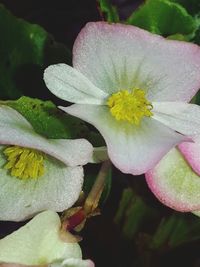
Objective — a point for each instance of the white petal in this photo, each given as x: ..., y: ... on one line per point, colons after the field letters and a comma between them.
x: 69, y: 84
x: 118, y: 56
x: 131, y: 148
x: 174, y: 183
x: 181, y: 117
x: 57, y: 189
x: 38, y: 242
x: 74, y: 263
x: 16, y: 130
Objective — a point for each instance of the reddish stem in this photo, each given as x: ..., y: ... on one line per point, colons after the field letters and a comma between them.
x: 75, y: 220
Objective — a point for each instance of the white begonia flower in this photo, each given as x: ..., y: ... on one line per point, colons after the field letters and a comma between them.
x: 42, y: 242
x: 37, y: 173
x: 129, y: 84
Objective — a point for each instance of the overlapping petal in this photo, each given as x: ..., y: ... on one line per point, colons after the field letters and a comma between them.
x: 39, y: 242
x: 175, y: 183
x: 132, y: 149
x: 191, y: 152
x: 16, y: 130
x: 116, y: 56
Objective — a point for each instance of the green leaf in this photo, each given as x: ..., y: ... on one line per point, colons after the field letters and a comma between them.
x: 163, y: 17
x: 109, y: 10
x: 25, y: 49
x: 179, y: 37
x: 176, y: 230
x: 132, y: 214
x: 197, y: 36
x: 47, y: 120
x: 96, y: 139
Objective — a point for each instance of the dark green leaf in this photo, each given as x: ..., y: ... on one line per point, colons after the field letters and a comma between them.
x: 47, y: 120
x: 163, y: 17
x: 109, y: 10
x: 176, y: 230
x: 193, y: 6
x: 25, y: 49
x: 197, y: 36
x: 132, y: 214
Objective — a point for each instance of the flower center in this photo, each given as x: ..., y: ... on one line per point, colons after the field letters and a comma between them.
x: 130, y: 106
x: 24, y: 163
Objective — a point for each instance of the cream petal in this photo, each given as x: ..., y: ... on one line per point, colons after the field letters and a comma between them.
x: 38, y: 243
x: 74, y: 263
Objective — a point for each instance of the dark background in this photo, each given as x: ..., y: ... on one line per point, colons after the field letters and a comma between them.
x: 64, y: 18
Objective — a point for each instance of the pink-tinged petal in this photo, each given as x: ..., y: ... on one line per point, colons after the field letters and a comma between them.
x: 181, y: 117
x: 174, y: 183
x: 76, y: 263
x: 118, y: 56
x: 191, y: 152
x: 58, y: 189
x: 69, y: 84
x: 131, y: 148
x: 16, y: 130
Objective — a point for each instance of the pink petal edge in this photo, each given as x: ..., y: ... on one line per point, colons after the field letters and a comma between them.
x: 164, y: 197
x: 93, y: 27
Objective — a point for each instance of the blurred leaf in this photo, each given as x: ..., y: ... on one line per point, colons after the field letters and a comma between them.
x: 163, y: 232
x: 132, y: 214
x: 197, y: 36
x: 47, y: 120
x: 178, y: 36
x: 109, y: 10
x: 176, y: 230
x: 124, y: 204
x: 25, y: 49
x: 193, y: 6
x: 185, y: 232
x: 163, y: 17
x: 90, y: 177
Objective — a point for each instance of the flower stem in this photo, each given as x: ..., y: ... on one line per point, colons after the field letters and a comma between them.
x: 92, y: 201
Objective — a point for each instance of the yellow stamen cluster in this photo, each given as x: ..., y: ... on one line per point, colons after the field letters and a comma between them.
x: 24, y: 163
x: 130, y: 106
